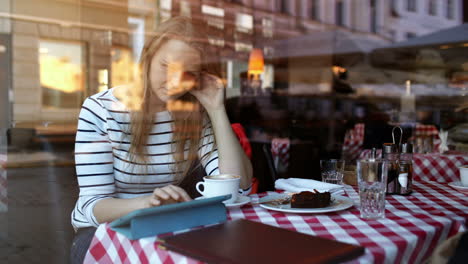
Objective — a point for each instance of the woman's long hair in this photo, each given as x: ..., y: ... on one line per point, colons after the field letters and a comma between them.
x: 188, y: 124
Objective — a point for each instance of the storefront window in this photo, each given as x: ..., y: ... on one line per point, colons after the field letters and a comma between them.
x: 62, y: 74
x: 100, y: 96
x: 122, y: 66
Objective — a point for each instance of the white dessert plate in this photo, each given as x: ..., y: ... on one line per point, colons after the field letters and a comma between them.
x: 459, y: 187
x: 338, y: 203
x: 241, y: 200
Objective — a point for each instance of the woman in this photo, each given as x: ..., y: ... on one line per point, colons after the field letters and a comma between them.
x: 131, y: 151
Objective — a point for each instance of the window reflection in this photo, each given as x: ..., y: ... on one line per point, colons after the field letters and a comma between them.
x: 411, y: 5
x: 330, y: 69
x: 122, y: 66
x: 62, y: 74
x: 432, y: 7
x: 314, y: 9
x: 450, y: 9
x: 339, y: 13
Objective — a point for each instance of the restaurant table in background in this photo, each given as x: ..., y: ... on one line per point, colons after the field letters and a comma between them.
x: 433, y: 166
x: 354, y: 139
x: 413, y: 227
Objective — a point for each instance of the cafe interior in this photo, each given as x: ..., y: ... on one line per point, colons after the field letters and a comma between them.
x: 364, y: 101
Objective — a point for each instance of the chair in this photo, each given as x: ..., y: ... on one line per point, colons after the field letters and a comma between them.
x: 270, y: 162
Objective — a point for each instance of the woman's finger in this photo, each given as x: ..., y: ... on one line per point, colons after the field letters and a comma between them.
x: 184, y: 196
x: 154, y: 201
x: 161, y: 193
x: 173, y: 193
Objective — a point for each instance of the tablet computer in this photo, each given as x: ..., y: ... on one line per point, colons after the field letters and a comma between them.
x: 171, y: 217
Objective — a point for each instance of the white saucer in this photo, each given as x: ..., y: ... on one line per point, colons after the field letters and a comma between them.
x: 241, y: 200
x: 459, y: 187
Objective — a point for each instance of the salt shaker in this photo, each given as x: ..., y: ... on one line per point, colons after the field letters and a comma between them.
x: 405, y: 167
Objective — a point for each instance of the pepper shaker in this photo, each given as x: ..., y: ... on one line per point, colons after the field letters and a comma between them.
x: 405, y: 165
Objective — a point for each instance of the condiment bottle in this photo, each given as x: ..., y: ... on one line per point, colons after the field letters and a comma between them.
x: 405, y: 165
x: 391, y: 155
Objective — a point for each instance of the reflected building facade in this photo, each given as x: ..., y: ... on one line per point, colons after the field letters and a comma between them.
x: 63, y: 51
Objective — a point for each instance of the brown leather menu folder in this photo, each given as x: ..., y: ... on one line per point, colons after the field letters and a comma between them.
x: 243, y: 241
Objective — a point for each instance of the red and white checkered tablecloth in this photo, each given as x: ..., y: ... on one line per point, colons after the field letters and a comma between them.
x: 3, y: 184
x: 438, y: 167
x: 353, y: 141
x: 413, y: 227
x: 425, y: 130
x: 434, y: 166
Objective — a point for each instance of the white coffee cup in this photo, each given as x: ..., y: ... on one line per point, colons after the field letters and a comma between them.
x: 217, y: 185
x: 464, y: 175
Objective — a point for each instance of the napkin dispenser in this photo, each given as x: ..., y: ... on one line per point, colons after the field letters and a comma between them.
x: 173, y: 217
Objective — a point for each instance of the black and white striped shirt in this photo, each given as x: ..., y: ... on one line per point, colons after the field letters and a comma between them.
x: 103, y: 165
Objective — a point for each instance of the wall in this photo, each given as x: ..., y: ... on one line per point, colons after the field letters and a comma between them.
x: 420, y: 22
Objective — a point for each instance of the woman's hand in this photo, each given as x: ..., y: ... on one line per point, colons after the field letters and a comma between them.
x: 166, y: 195
x: 211, y: 92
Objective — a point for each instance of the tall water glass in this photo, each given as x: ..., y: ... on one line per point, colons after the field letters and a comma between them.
x: 332, y: 170
x: 372, y: 181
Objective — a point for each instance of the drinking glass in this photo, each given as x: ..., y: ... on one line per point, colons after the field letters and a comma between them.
x: 372, y: 181
x: 332, y: 170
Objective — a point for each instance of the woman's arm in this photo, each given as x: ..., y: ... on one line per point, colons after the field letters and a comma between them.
x: 232, y: 159
x: 108, y: 210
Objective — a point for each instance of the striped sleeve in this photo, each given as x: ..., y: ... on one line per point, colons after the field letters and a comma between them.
x: 207, y: 151
x: 94, y: 162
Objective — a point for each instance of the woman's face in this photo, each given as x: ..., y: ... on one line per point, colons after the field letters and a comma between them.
x: 175, y: 69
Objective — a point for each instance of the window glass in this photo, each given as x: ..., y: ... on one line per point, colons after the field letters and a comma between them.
x: 373, y: 14
x: 62, y: 74
x: 339, y: 13
x: 122, y: 66
x: 450, y: 9
x: 328, y: 79
x: 244, y: 23
x: 411, y: 5
x: 315, y: 9
x: 432, y: 7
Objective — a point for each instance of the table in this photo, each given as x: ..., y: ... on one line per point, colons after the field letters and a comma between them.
x: 354, y: 139
x: 413, y: 227
x: 433, y: 166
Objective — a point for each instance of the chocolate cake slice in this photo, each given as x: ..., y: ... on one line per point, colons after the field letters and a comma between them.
x: 310, y: 200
